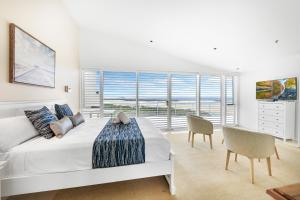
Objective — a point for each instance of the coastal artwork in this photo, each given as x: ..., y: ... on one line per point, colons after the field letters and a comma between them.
x: 31, y: 61
x: 264, y: 90
x: 280, y: 89
x: 285, y: 89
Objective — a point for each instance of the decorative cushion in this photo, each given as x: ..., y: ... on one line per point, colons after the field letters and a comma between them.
x: 14, y: 131
x: 61, y: 127
x: 41, y: 120
x: 116, y: 120
x: 77, y: 119
x: 63, y: 110
x: 123, y: 118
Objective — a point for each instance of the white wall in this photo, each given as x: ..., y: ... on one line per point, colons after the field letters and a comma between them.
x: 49, y: 22
x: 102, y: 50
x: 281, y: 67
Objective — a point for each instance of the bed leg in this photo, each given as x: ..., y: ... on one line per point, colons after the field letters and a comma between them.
x: 170, y: 177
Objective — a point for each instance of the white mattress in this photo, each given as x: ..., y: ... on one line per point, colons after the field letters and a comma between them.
x: 74, y: 151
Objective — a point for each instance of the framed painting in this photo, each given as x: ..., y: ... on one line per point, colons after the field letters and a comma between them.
x: 30, y: 61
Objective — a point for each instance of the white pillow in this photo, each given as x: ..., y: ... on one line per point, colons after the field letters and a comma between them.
x: 14, y: 131
x: 123, y: 118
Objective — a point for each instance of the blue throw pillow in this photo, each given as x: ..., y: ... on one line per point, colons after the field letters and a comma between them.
x: 41, y: 120
x: 63, y: 110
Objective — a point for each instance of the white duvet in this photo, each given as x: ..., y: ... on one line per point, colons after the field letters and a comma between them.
x: 74, y: 151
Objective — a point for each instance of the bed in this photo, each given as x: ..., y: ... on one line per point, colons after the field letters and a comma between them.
x: 42, y: 165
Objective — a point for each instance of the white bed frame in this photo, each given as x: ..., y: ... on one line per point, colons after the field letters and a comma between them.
x: 55, y: 181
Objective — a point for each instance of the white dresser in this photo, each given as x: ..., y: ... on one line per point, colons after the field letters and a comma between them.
x: 277, y: 118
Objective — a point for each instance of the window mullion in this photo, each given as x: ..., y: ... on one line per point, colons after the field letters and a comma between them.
x: 137, y: 95
x: 169, y: 101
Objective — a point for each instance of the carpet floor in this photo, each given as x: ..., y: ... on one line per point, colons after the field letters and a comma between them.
x: 199, y: 174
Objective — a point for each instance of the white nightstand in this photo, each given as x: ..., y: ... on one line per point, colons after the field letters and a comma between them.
x: 2, y: 168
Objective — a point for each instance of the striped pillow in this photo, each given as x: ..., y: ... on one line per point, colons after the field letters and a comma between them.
x: 41, y: 120
x: 63, y: 110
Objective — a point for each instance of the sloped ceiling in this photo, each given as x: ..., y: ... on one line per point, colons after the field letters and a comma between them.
x: 242, y: 31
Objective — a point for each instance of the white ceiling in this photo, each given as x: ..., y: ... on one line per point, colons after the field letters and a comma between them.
x: 243, y: 31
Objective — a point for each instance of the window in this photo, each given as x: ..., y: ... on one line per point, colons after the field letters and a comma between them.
x: 210, y: 98
x: 119, y: 93
x: 163, y: 98
x: 153, y: 97
x: 229, y: 100
x: 183, y: 98
x: 91, y: 92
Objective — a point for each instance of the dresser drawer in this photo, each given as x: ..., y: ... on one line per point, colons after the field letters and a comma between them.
x: 264, y: 129
x: 271, y: 126
x: 278, y: 113
x: 277, y: 132
x: 271, y: 118
x: 268, y: 106
x: 267, y: 124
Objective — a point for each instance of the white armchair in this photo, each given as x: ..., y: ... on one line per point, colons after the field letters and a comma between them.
x: 250, y: 144
x: 199, y: 125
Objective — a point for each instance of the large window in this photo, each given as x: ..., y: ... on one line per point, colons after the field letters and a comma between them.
x: 164, y: 98
x: 119, y: 93
x: 210, y: 98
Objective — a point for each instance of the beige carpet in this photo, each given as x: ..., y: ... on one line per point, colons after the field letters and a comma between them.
x: 199, y: 174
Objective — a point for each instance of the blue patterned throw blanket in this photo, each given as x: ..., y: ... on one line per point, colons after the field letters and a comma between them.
x: 119, y: 144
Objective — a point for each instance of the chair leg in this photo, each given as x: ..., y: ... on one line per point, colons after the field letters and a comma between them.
x: 204, y: 137
x: 235, y: 159
x: 252, y: 170
x: 189, y: 138
x: 223, y: 141
x: 276, y: 152
x: 210, y: 141
x: 269, y: 166
x: 259, y: 160
x: 227, y: 159
x: 193, y: 137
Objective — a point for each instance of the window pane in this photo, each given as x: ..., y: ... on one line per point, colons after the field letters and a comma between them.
x: 229, y: 99
x: 91, y: 92
x: 119, y: 93
x: 153, y: 94
x: 210, y: 98
x: 184, y: 98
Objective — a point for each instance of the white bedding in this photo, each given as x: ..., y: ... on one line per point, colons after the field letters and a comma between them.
x: 74, y: 151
